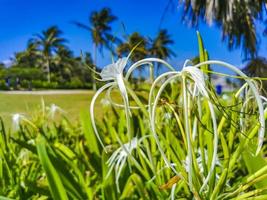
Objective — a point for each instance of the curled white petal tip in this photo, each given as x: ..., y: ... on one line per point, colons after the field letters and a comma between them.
x: 198, y: 76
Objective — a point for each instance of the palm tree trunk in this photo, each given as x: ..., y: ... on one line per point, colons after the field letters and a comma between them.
x: 48, y: 70
x: 94, y: 66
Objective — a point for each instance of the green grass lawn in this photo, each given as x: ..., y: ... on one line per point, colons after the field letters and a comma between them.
x: 26, y: 104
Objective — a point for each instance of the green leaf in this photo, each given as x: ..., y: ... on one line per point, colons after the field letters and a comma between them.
x: 3, y: 137
x: 108, y: 183
x: 254, y: 163
x: 65, y: 150
x: 201, y: 49
x: 89, y: 133
x: 5, y: 198
x: 134, y: 182
x: 55, y: 185
x: 203, y: 54
x: 69, y: 180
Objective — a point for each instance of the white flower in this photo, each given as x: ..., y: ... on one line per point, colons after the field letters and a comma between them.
x: 16, y: 120
x: 112, y: 71
x: 119, y: 158
x: 53, y: 109
x: 255, y: 92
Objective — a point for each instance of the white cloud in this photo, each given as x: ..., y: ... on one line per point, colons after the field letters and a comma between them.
x: 7, y: 62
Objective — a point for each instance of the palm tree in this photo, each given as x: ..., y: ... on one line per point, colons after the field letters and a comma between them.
x: 257, y: 68
x: 30, y: 58
x: 100, y: 29
x: 140, y: 51
x: 48, y: 42
x: 236, y: 18
x: 137, y: 41
x: 160, y: 47
x: 63, y: 63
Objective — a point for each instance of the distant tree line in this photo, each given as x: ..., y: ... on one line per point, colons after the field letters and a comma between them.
x: 48, y: 62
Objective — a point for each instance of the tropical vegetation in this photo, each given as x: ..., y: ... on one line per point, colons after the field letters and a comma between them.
x: 48, y: 62
x: 170, y: 138
x: 167, y: 136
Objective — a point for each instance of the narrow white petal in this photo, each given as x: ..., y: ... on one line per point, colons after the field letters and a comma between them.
x: 99, y: 91
x: 146, y: 61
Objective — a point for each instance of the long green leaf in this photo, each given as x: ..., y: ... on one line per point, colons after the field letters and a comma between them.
x: 89, y: 133
x: 55, y: 185
x: 255, y: 163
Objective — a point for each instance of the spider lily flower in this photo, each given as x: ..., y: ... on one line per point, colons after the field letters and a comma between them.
x: 189, y: 74
x: 16, y: 120
x: 147, y: 61
x: 119, y: 158
x: 192, y: 76
x: 53, y: 109
x: 255, y: 93
x: 113, y: 73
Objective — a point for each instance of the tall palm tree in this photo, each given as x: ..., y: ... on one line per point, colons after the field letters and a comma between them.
x: 137, y: 41
x: 134, y: 39
x: 30, y: 57
x: 100, y: 29
x: 63, y: 63
x: 160, y: 46
x: 48, y: 42
x: 236, y: 18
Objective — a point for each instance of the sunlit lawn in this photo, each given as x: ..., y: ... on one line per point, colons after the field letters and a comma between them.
x: 73, y: 104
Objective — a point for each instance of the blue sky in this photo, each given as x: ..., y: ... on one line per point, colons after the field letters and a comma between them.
x: 19, y: 20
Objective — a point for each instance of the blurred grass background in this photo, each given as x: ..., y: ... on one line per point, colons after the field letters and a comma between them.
x: 25, y: 103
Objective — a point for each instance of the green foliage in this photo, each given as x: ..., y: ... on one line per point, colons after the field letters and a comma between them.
x: 59, y: 159
x: 55, y: 184
x: 181, y: 142
x: 236, y: 19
